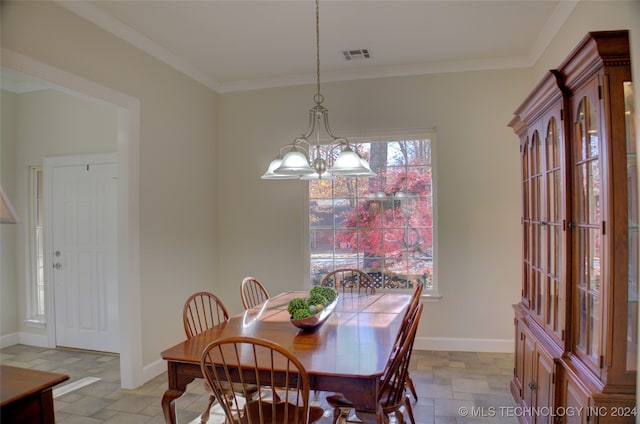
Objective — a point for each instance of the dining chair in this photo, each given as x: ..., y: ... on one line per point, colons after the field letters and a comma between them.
x: 415, y: 301
x: 252, y: 361
x: 392, y: 394
x: 252, y: 292
x: 351, y: 280
x: 202, y: 311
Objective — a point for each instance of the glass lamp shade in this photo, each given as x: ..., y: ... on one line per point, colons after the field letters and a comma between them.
x: 325, y: 176
x: 368, y: 173
x: 294, y: 163
x: 270, y: 175
x: 349, y: 163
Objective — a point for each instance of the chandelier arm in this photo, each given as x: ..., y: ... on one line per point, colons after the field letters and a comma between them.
x: 312, y: 125
x: 301, y: 145
x: 334, y: 138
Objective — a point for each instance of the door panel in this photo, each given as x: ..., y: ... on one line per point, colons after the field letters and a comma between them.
x: 544, y: 386
x: 84, y: 256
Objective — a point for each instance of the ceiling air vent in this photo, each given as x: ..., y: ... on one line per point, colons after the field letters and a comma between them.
x: 356, y: 54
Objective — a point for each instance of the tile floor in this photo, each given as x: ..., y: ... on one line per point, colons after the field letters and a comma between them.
x: 447, y: 382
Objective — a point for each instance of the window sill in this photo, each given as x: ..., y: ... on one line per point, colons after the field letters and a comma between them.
x: 35, y: 323
x: 431, y: 298
x: 424, y: 298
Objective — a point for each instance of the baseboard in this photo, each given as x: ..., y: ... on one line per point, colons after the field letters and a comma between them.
x: 153, y: 370
x: 29, y: 339
x: 464, y: 345
x: 8, y: 340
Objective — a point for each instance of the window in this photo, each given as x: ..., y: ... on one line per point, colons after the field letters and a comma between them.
x: 36, y: 286
x: 383, y: 225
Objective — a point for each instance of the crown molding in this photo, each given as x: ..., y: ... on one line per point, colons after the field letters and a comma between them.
x: 92, y: 14
x: 89, y: 12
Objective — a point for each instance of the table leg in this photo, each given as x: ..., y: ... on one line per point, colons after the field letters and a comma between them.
x: 371, y: 417
x: 169, y: 405
x: 179, y: 376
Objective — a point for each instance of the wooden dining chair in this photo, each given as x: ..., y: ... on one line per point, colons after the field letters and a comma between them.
x: 252, y: 292
x: 350, y: 280
x: 415, y: 301
x: 202, y: 311
x: 252, y: 361
x: 392, y: 394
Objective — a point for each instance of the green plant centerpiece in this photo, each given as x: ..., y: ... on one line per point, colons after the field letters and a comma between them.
x: 311, y: 311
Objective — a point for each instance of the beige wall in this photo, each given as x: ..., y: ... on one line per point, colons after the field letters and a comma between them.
x: 47, y: 123
x: 177, y: 156
x: 207, y: 220
x: 589, y: 16
x: 8, y: 262
x: 261, y: 224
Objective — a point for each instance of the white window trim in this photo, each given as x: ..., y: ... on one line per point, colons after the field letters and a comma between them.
x: 33, y: 318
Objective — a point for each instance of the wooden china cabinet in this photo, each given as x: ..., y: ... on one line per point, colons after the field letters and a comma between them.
x: 577, y: 322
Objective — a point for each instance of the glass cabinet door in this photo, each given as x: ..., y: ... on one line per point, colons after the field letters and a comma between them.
x: 554, y: 226
x: 632, y: 217
x: 538, y: 256
x: 544, y: 224
x: 526, y: 224
x: 587, y: 232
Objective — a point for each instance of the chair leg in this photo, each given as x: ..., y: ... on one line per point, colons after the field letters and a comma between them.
x: 412, y: 387
x: 341, y: 414
x: 399, y: 417
x: 409, y: 409
x: 204, y: 418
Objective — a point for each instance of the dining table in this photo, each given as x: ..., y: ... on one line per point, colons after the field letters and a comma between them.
x: 346, y: 354
x: 26, y: 395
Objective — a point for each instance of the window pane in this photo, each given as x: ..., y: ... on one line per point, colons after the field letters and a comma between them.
x: 36, y: 289
x: 383, y: 224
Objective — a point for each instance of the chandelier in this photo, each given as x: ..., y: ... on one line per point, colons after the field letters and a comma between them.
x: 305, y: 160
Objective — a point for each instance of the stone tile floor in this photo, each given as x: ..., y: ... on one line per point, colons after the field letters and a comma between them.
x: 446, y: 382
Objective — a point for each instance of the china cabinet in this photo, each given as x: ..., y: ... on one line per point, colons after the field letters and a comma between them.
x: 577, y: 322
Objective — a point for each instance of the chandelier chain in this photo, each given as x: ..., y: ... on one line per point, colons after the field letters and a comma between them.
x: 318, y: 96
x: 300, y: 161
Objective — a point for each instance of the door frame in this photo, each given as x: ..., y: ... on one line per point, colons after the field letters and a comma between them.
x: 47, y: 194
x: 132, y: 373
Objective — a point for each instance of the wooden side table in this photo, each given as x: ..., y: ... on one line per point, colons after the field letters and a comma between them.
x: 26, y: 395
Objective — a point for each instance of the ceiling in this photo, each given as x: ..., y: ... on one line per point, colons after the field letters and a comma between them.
x: 240, y: 44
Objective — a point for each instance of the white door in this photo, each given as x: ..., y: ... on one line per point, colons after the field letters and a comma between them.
x: 84, y: 253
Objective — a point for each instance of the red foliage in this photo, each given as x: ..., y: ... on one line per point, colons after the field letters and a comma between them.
x: 390, y: 227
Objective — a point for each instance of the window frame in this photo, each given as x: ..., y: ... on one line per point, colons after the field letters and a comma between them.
x: 429, y: 295
x: 34, y: 285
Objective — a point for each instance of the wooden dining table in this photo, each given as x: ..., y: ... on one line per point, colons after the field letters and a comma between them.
x: 346, y: 354
x: 26, y: 395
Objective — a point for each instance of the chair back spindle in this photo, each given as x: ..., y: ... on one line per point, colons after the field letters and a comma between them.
x: 252, y: 292
x: 349, y: 280
x: 251, y: 362
x: 202, y: 311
